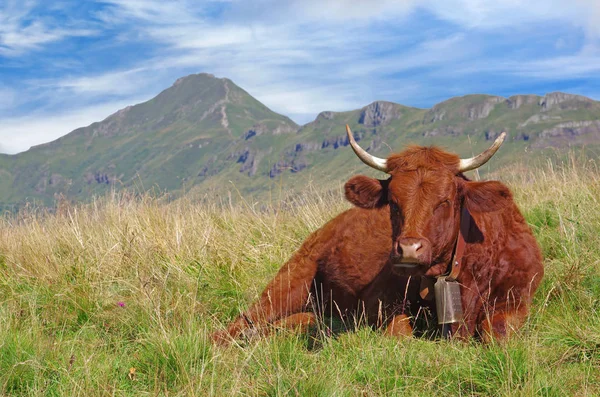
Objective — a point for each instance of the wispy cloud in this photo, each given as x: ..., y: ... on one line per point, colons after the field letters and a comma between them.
x: 152, y: 11
x: 21, y: 30
x: 20, y: 133
x: 111, y: 83
x: 298, y: 57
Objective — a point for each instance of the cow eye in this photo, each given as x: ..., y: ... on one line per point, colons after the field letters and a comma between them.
x: 443, y: 204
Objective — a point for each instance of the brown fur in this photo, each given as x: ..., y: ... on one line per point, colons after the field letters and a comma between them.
x: 347, y: 268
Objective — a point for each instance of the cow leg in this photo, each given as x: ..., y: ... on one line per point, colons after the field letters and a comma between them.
x: 297, y: 322
x: 501, y: 324
x: 399, y: 326
x: 287, y: 294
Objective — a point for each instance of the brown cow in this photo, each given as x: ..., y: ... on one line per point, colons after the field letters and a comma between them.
x: 351, y: 268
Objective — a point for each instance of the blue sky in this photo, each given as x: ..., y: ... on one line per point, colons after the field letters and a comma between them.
x: 67, y: 63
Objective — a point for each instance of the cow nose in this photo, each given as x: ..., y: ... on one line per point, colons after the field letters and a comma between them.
x: 413, y: 250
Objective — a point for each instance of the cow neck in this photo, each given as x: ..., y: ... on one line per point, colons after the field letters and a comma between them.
x: 461, y: 243
x: 453, y: 270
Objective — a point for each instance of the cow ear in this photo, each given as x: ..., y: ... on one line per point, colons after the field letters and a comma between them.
x: 486, y: 196
x: 366, y: 192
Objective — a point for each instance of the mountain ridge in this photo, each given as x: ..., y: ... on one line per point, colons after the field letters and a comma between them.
x: 204, y: 132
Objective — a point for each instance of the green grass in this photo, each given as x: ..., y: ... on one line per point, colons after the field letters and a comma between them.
x: 88, y: 293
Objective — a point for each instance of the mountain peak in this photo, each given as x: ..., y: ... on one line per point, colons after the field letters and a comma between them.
x: 195, y: 76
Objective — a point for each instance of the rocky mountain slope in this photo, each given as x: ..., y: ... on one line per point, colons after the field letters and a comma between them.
x: 206, y: 136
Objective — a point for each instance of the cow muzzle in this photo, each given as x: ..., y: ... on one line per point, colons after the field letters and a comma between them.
x: 411, y: 253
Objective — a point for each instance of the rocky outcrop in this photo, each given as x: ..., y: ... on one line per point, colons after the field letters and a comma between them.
x: 325, y: 116
x: 209, y: 169
x: 243, y: 157
x: 249, y: 160
x: 250, y: 163
x: 295, y: 165
x: 443, y: 131
x: 261, y: 128
x: 564, y: 101
x: 522, y: 136
x: 471, y: 107
x: 283, y: 128
x: 341, y: 140
x: 572, y: 129
x: 516, y: 101
x: 434, y: 115
x: 307, y: 147
x: 256, y: 130
x: 335, y: 142
x: 491, y: 135
x: 379, y: 113
x: 569, y: 134
x: 538, y: 118
x: 482, y: 110
x: 99, y: 177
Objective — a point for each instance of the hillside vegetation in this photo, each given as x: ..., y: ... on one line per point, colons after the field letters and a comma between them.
x: 118, y: 297
x: 205, y: 133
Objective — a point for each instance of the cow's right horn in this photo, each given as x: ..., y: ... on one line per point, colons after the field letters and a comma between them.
x: 370, y: 160
x: 481, y: 159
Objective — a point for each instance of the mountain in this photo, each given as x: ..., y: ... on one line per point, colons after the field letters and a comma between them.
x: 205, y: 135
x: 172, y: 138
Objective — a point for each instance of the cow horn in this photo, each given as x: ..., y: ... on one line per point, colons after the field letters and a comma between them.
x: 481, y: 159
x: 370, y: 160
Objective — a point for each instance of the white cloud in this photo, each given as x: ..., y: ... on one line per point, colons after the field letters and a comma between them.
x: 302, y: 102
x: 550, y: 68
x: 559, y: 67
x: 342, y: 10
x: 18, y: 134
x: 111, y: 83
x: 468, y: 14
x: 299, y: 57
x: 160, y: 12
x: 589, y: 12
x: 193, y: 36
x: 492, y: 16
x: 21, y: 32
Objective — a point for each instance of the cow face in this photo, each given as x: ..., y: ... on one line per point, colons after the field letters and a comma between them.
x: 424, y: 193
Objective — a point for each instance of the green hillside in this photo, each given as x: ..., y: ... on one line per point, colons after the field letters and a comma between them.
x: 205, y: 136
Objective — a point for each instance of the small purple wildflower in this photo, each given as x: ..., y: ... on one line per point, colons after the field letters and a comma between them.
x: 121, y: 304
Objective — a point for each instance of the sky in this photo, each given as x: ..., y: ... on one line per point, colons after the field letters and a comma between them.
x: 67, y: 63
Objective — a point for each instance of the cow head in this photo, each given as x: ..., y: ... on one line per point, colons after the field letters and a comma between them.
x: 425, y: 192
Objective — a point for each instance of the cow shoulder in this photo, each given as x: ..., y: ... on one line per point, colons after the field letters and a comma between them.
x: 488, y: 196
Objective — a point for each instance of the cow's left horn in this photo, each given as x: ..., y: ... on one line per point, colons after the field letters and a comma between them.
x: 370, y: 160
x: 481, y: 159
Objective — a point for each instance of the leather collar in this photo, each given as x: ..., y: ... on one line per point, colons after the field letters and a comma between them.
x: 455, y: 265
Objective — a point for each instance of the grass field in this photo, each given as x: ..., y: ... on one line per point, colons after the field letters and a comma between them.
x: 118, y: 297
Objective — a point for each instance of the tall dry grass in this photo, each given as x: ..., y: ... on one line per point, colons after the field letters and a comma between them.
x: 118, y: 296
